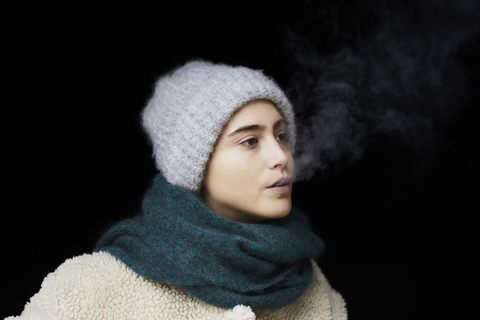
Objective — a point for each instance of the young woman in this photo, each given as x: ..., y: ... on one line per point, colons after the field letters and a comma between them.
x: 218, y: 237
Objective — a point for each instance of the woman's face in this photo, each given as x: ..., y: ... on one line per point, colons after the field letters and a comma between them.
x: 249, y: 175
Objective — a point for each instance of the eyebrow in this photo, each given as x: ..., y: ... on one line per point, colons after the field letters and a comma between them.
x: 258, y: 127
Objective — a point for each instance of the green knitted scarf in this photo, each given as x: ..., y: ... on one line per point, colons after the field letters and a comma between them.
x: 178, y: 240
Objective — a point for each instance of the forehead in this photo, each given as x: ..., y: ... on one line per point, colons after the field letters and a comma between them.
x: 260, y: 112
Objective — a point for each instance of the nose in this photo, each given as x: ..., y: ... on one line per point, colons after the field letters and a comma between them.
x: 276, y: 155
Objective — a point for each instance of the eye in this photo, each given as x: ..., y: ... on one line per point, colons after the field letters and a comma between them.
x: 281, y: 137
x: 250, y: 142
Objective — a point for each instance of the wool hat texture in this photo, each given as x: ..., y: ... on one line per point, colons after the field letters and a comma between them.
x: 190, y: 107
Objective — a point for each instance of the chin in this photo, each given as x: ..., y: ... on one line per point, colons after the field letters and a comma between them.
x: 278, y: 210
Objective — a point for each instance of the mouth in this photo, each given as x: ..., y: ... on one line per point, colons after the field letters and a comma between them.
x: 281, y: 186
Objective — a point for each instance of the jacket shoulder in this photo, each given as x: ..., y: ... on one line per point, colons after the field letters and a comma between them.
x: 99, y: 286
x: 336, y: 301
x: 318, y: 302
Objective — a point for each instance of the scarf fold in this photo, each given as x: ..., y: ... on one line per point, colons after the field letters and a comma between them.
x: 178, y: 240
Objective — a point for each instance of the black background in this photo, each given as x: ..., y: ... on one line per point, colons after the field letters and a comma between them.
x: 74, y: 158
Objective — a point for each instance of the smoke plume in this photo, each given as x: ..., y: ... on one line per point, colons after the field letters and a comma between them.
x: 393, y: 75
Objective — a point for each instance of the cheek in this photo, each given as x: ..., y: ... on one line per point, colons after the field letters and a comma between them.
x: 232, y: 175
x: 291, y: 161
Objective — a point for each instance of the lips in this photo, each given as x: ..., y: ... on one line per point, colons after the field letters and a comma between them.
x: 281, y: 186
x: 280, y: 182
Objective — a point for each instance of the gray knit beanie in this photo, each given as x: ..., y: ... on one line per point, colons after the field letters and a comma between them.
x: 191, y: 105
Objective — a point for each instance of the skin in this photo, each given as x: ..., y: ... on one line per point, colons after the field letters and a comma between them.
x: 250, y: 156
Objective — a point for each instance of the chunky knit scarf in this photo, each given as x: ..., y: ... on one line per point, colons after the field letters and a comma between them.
x: 178, y: 240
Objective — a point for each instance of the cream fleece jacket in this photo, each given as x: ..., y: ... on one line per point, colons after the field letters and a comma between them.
x: 99, y: 286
